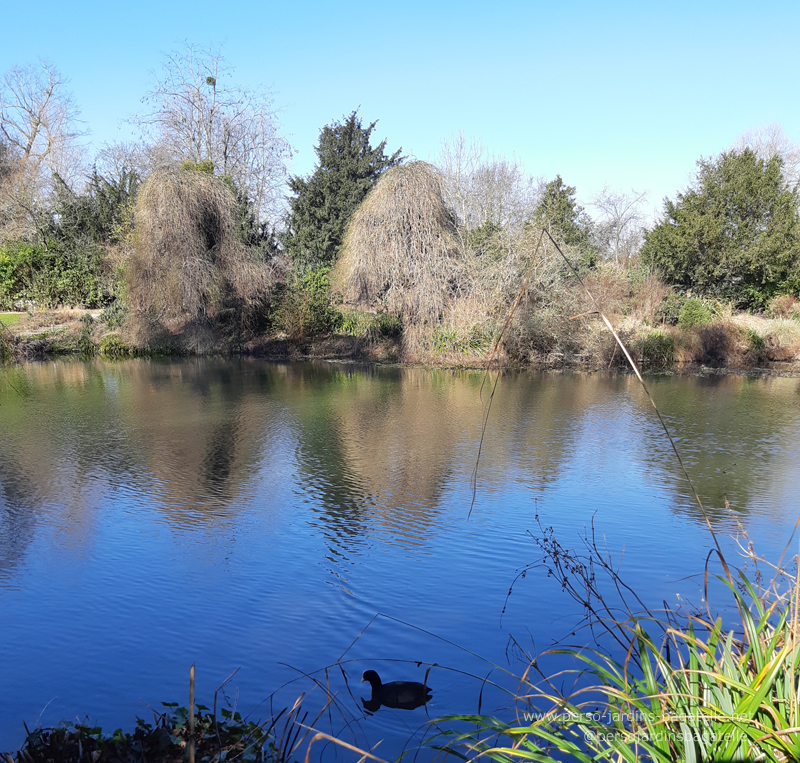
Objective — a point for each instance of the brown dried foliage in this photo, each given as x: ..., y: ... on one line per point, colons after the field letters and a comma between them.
x: 187, y: 270
x: 784, y: 306
x: 401, y: 249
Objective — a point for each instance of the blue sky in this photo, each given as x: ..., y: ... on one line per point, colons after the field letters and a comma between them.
x: 629, y: 93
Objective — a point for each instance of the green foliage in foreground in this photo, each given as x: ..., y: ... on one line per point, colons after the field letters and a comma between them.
x: 735, y: 234
x: 216, y: 740
x: 692, y: 692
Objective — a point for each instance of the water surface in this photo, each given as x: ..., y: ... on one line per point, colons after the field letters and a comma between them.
x: 275, y: 517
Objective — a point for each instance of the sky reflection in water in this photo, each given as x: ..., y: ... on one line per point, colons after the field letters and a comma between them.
x: 241, y: 513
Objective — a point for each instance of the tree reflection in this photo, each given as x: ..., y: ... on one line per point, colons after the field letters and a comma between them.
x: 366, y: 452
x: 17, y: 516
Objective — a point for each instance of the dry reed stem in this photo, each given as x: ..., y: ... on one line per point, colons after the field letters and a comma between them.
x: 191, y: 714
x: 493, y: 354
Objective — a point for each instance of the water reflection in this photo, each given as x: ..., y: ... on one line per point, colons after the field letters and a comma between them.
x: 17, y: 517
x: 737, y: 437
x: 370, y: 447
x: 247, y: 513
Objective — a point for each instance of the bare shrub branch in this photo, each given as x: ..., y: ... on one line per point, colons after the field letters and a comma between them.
x: 196, y: 116
x: 38, y: 125
x: 481, y: 187
x: 770, y: 140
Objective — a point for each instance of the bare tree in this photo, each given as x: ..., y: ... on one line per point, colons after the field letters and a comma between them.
x: 770, y: 140
x: 458, y: 161
x: 196, y: 116
x: 38, y: 124
x: 622, y: 224
x: 481, y: 187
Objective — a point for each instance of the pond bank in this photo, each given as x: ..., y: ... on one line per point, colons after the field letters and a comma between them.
x: 741, y: 344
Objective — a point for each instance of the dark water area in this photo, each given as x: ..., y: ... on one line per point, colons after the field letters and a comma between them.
x: 283, y: 518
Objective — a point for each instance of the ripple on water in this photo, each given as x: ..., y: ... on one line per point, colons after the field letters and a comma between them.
x: 274, y: 517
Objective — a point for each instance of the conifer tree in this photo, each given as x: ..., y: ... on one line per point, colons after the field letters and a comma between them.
x: 565, y: 219
x: 734, y: 234
x: 347, y: 168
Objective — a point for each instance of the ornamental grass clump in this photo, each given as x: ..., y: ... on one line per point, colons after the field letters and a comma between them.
x: 401, y: 251
x: 189, y: 279
x: 679, y: 689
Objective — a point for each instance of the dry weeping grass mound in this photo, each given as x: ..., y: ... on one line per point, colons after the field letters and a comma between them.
x: 188, y: 270
x: 401, y: 248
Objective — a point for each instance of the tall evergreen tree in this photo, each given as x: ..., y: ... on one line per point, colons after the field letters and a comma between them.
x: 347, y: 169
x: 735, y: 234
x: 565, y: 219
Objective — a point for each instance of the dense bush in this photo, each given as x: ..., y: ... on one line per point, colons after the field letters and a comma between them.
x: 366, y: 324
x: 735, y: 234
x: 694, y: 312
x: 657, y: 349
x: 189, y: 279
x: 401, y: 249
x: 49, y: 275
x: 112, y: 346
x: 304, y: 310
x: 17, y: 262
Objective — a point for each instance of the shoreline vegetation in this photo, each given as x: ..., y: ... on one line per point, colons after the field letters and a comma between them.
x: 181, y: 267
x: 727, y: 342
x: 184, y: 244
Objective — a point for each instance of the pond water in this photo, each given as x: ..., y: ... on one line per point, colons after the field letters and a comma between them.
x: 283, y: 518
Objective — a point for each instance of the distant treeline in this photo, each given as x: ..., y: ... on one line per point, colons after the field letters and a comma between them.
x: 196, y: 239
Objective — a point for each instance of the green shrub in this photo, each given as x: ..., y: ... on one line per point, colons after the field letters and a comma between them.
x: 670, y: 308
x: 112, y: 346
x: 6, y: 347
x: 657, y: 349
x: 756, y: 342
x: 734, y: 233
x: 86, y: 346
x: 17, y: 262
x: 304, y: 310
x: 354, y: 322
x: 50, y: 276
x: 114, y: 315
x: 387, y: 325
x: 477, y: 340
x: 373, y: 325
x: 694, y: 312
